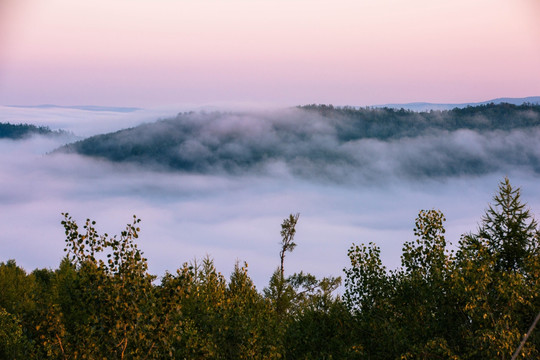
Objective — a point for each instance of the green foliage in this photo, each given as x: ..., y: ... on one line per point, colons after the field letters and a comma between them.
x: 16, y: 288
x: 426, y: 256
x: 102, y: 303
x: 290, y: 295
x: 110, y: 297
x: 508, y: 230
x: 206, y: 317
x: 288, y: 230
x: 312, y: 323
x: 404, y: 309
x: 280, y: 290
x: 321, y: 333
x: 12, y: 341
x: 498, y: 278
x: 367, y: 279
x: 474, y: 305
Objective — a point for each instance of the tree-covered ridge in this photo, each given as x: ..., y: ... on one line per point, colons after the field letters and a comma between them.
x: 388, y: 123
x: 475, y: 303
x: 21, y: 131
x: 339, y: 144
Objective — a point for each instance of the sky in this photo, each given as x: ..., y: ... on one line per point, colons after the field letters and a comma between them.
x: 167, y: 56
x: 281, y: 52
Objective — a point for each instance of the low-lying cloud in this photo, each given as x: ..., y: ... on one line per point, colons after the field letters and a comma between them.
x: 321, y: 147
x: 232, y: 216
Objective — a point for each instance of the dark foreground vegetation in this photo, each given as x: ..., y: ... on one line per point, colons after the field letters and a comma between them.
x: 101, y: 303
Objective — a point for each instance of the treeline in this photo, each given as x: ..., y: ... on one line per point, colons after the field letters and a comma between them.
x: 388, y: 123
x: 21, y: 131
x: 477, y: 302
x: 324, y: 142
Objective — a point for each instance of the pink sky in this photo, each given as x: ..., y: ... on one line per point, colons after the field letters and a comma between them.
x: 161, y: 52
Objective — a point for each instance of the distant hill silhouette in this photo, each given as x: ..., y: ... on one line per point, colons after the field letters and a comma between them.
x: 425, y: 106
x: 21, y: 131
x: 79, y: 107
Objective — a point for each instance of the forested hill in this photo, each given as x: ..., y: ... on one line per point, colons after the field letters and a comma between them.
x: 388, y: 123
x: 325, y: 142
x: 21, y: 131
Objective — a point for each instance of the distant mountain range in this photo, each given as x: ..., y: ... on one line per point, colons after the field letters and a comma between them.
x: 413, y: 106
x: 425, y: 106
x: 79, y: 107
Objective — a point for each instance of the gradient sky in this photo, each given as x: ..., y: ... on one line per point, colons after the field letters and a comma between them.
x: 284, y: 52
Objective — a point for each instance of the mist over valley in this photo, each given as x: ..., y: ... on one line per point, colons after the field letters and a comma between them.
x: 219, y: 183
x: 323, y: 143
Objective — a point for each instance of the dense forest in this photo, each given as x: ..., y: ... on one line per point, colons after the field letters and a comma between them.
x: 476, y: 302
x: 22, y: 131
x: 386, y: 123
x: 326, y: 142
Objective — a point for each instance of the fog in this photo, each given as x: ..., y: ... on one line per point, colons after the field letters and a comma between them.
x: 333, y: 147
x: 237, y: 217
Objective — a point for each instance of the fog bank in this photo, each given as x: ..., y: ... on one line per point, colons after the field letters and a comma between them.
x: 237, y: 216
